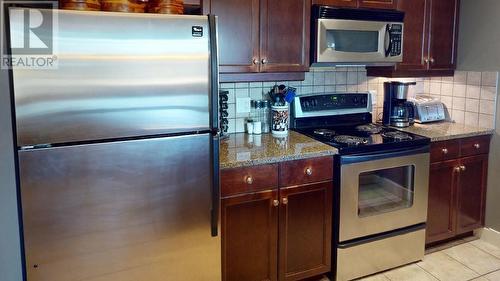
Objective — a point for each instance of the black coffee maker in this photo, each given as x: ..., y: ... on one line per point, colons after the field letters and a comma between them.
x: 398, y: 111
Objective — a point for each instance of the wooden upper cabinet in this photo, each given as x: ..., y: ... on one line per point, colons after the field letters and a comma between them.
x: 238, y: 27
x: 284, y: 35
x: 250, y: 237
x: 415, y: 41
x: 305, y: 231
x: 441, y: 208
x: 443, y: 34
x: 337, y: 3
x: 471, y: 193
x: 379, y: 4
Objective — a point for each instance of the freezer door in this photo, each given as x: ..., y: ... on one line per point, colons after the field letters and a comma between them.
x: 128, y: 211
x: 118, y: 75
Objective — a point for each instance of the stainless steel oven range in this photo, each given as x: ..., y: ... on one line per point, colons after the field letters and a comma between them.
x: 382, y: 179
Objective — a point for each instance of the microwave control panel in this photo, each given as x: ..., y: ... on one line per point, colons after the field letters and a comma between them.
x: 396, y: 35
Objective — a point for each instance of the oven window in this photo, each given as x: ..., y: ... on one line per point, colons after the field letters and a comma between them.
x: 353, y: 41
x: 386, y: 190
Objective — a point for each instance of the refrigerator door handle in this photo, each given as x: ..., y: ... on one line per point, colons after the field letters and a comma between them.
x: 214, y: 216
x: 214, y: 74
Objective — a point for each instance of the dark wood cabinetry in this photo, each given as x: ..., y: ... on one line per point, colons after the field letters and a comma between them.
x: 376, y: 4
x: 430, y: 40
x: 283, y: 233
x: 457, y: 187
x: 262, y: 36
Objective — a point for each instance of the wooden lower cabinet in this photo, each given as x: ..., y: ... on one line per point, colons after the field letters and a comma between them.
x: 441, y: 208
x: 305, y: 231
x: 249, y: 237
x: 457, y: 188
x: 471, y: 193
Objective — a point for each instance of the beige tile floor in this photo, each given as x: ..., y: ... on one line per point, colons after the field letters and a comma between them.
x: 462, y: 260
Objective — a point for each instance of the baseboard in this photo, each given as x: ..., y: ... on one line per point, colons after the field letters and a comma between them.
x: 488, y: 235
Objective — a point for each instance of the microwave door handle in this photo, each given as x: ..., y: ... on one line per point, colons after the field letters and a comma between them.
x: 388, y: 40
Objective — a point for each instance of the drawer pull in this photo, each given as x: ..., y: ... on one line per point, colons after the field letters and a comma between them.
x: 249, y: 180
x: 309, y: 171
x: 284, y: 200
x: 276, y: 203
x: 445, y: 150
x: 477, y: 146
x: 463, y: 168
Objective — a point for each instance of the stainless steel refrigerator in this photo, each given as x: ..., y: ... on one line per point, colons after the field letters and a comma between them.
x: 118, y: 149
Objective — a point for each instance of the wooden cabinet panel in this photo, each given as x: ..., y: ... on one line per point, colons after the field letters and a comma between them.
x: 441, y: 208
x: 475, y: 146
x: 337, y: 3
x: 379, y: 4
x: 306, y: 171
x: 284, y: 35
x: 238, y: 24
x: 249, y: 237
x: 443, y: 34
x: 249, y: 179
x: 445, y: 150
x: 305, y: 231
x: 415, y: 41
x: 471, y: 193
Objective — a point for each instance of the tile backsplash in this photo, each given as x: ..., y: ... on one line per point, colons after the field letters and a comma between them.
x: 469, y: 96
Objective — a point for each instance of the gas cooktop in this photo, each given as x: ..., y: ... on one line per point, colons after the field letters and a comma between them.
x: 364, y: 137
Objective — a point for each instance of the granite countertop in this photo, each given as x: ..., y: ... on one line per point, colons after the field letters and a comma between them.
x: 447, y: 130
x: 240, y: 150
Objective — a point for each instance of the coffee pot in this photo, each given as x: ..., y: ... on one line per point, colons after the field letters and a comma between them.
x: 398, y: 111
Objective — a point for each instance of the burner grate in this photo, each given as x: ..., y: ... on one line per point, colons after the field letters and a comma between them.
x: 369, y: 128
x: 399, y: 136
x: 350, y: 140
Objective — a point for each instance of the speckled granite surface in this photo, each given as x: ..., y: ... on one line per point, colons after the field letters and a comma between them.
x: 240, y: 150
x: 446, y: 131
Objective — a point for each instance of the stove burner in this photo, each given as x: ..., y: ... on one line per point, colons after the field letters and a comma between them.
x: 350, y: 140
x: 399, y: 136
x: 369, y: 128
x: 324, y: 132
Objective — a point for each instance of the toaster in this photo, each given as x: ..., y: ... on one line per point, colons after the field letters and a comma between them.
x: 428, y: 109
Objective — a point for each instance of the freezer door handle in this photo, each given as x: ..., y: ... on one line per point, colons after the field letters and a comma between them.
x: 214, y: 223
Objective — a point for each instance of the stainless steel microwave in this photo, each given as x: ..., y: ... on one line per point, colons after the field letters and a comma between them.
x: 357, y: 37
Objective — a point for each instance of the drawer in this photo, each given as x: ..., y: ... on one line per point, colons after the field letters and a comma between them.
x: 445, y: 150
x: 475, y: 146
x: 249, y: 179
x: 306, y: 171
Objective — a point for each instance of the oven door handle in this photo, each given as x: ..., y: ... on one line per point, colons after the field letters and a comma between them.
x: 351, y: 159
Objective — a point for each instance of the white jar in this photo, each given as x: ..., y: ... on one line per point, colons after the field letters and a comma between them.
x: 279, y: 120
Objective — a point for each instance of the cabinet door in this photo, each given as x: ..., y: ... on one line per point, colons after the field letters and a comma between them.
x: 471, y: 193
x: 337, y: 3
x: 443, y: 34
x: 305, y: 231
x: 284, y: 35
x: 440, y: 212
x: 249, y: 237
x: 379, y: 4
x: 238, y: 34
x: 415, y: 42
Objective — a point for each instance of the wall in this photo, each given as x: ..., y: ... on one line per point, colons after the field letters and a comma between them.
x: 469, y: 96
x: 10, y: 255
x: 479, y: 49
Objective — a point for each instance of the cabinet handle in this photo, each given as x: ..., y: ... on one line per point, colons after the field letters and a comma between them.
x: 463, y: 168
x: 445, y: 150
x: 284, y: 200
x: 309, y: 171
x: 249, y: 180
x: 457, y: 169
x: 432, y: 60
x: 276, y: 203
x: 255, y: 61
x: 426, y: 60
x: 264, y: 61
x: 477, y: 146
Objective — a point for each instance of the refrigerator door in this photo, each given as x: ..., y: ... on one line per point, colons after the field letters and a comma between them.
x: 128, y: 211
x: 118, y: 75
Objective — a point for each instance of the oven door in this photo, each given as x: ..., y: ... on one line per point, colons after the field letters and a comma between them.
x: 354, y: 41
x: 383, y: 192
